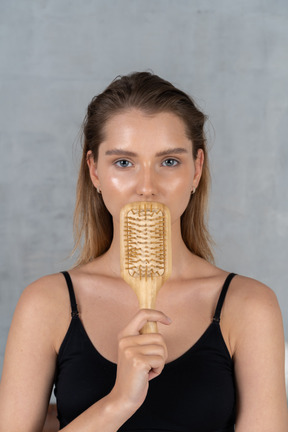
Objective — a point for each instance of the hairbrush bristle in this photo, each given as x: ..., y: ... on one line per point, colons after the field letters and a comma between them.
x: 144, y: 237
x: 145, y: 233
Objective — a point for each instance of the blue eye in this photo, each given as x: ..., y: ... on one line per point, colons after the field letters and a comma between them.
x: 123, y: 163
x: 170, y: 162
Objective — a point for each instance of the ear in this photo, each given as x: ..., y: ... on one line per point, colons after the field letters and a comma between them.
x: 199, y: 161
x: 92, y: 165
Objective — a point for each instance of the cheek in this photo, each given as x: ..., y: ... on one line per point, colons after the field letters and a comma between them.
x: 115, y: 190
x: 180, y: 189
x: 181, y: 184
x: 117, y: 182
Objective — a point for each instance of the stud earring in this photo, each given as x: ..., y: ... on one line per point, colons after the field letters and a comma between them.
x: 98, y: 190
x: 193, y: 190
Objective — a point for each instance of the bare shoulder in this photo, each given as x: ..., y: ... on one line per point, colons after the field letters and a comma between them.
x: 44, y: 304
x: 246, y: 297
x: 252, y: 309
x: 37, y: 329
x: 46, y: 293
x: 256, y: 338
x: 252, y: 296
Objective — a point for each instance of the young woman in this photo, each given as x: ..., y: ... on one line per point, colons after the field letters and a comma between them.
x: 218, y: 359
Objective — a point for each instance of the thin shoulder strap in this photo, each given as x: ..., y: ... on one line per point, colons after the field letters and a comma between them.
x: 222, y: 297
x: 74, y: 310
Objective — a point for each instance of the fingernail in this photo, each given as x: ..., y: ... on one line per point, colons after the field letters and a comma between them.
x: 169, y: 319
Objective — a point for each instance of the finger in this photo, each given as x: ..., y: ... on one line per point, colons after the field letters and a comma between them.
x: 156, y: 364
x: 146, y: 339
x: 152, y: 350
x: 151, y: 362
x: 142, y: 317
x: 152, y: 341
x: 151, y: 315
x: 144, y: 344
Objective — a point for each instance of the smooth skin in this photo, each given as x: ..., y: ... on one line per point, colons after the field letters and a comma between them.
x: 144, y: 158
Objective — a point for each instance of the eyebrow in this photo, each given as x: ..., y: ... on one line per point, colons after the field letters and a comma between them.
x: 119, y: 152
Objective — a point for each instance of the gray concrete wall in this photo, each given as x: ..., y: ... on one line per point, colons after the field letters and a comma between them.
x: 56, y: 54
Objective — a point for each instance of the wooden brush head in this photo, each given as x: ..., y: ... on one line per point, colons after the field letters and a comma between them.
x: 145, y: 249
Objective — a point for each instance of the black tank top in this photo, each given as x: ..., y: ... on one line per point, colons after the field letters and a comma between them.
x: 194, y: 393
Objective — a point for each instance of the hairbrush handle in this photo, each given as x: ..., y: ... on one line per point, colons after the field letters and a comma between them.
x: 146, y: 291
x: 145, y: 251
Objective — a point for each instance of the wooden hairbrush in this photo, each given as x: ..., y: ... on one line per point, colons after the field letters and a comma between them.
x: 145, y: 251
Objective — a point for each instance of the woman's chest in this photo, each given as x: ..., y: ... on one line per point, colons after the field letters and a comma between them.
x: 194, y: 392
x: 103, y: 321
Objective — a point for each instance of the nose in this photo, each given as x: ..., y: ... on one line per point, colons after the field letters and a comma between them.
x: 146, y: 183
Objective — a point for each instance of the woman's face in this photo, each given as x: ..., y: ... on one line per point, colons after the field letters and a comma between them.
x: 146, y: 158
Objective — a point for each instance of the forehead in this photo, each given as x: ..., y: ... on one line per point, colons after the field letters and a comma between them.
x: 136, y: 126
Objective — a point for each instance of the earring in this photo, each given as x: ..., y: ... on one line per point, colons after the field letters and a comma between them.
x: 98, y: 190
x: 193, y: 190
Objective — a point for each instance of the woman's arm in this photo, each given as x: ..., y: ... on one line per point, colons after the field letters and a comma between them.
x: 30, y: 360
x: 258, y: 341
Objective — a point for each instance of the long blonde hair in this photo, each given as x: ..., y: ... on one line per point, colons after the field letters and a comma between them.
x: 93, y: 227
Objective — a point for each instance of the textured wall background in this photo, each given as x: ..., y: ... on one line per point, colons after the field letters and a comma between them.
x: 55, y: 55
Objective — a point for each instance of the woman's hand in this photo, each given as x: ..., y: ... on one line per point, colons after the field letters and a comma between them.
x: 141, y: 357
